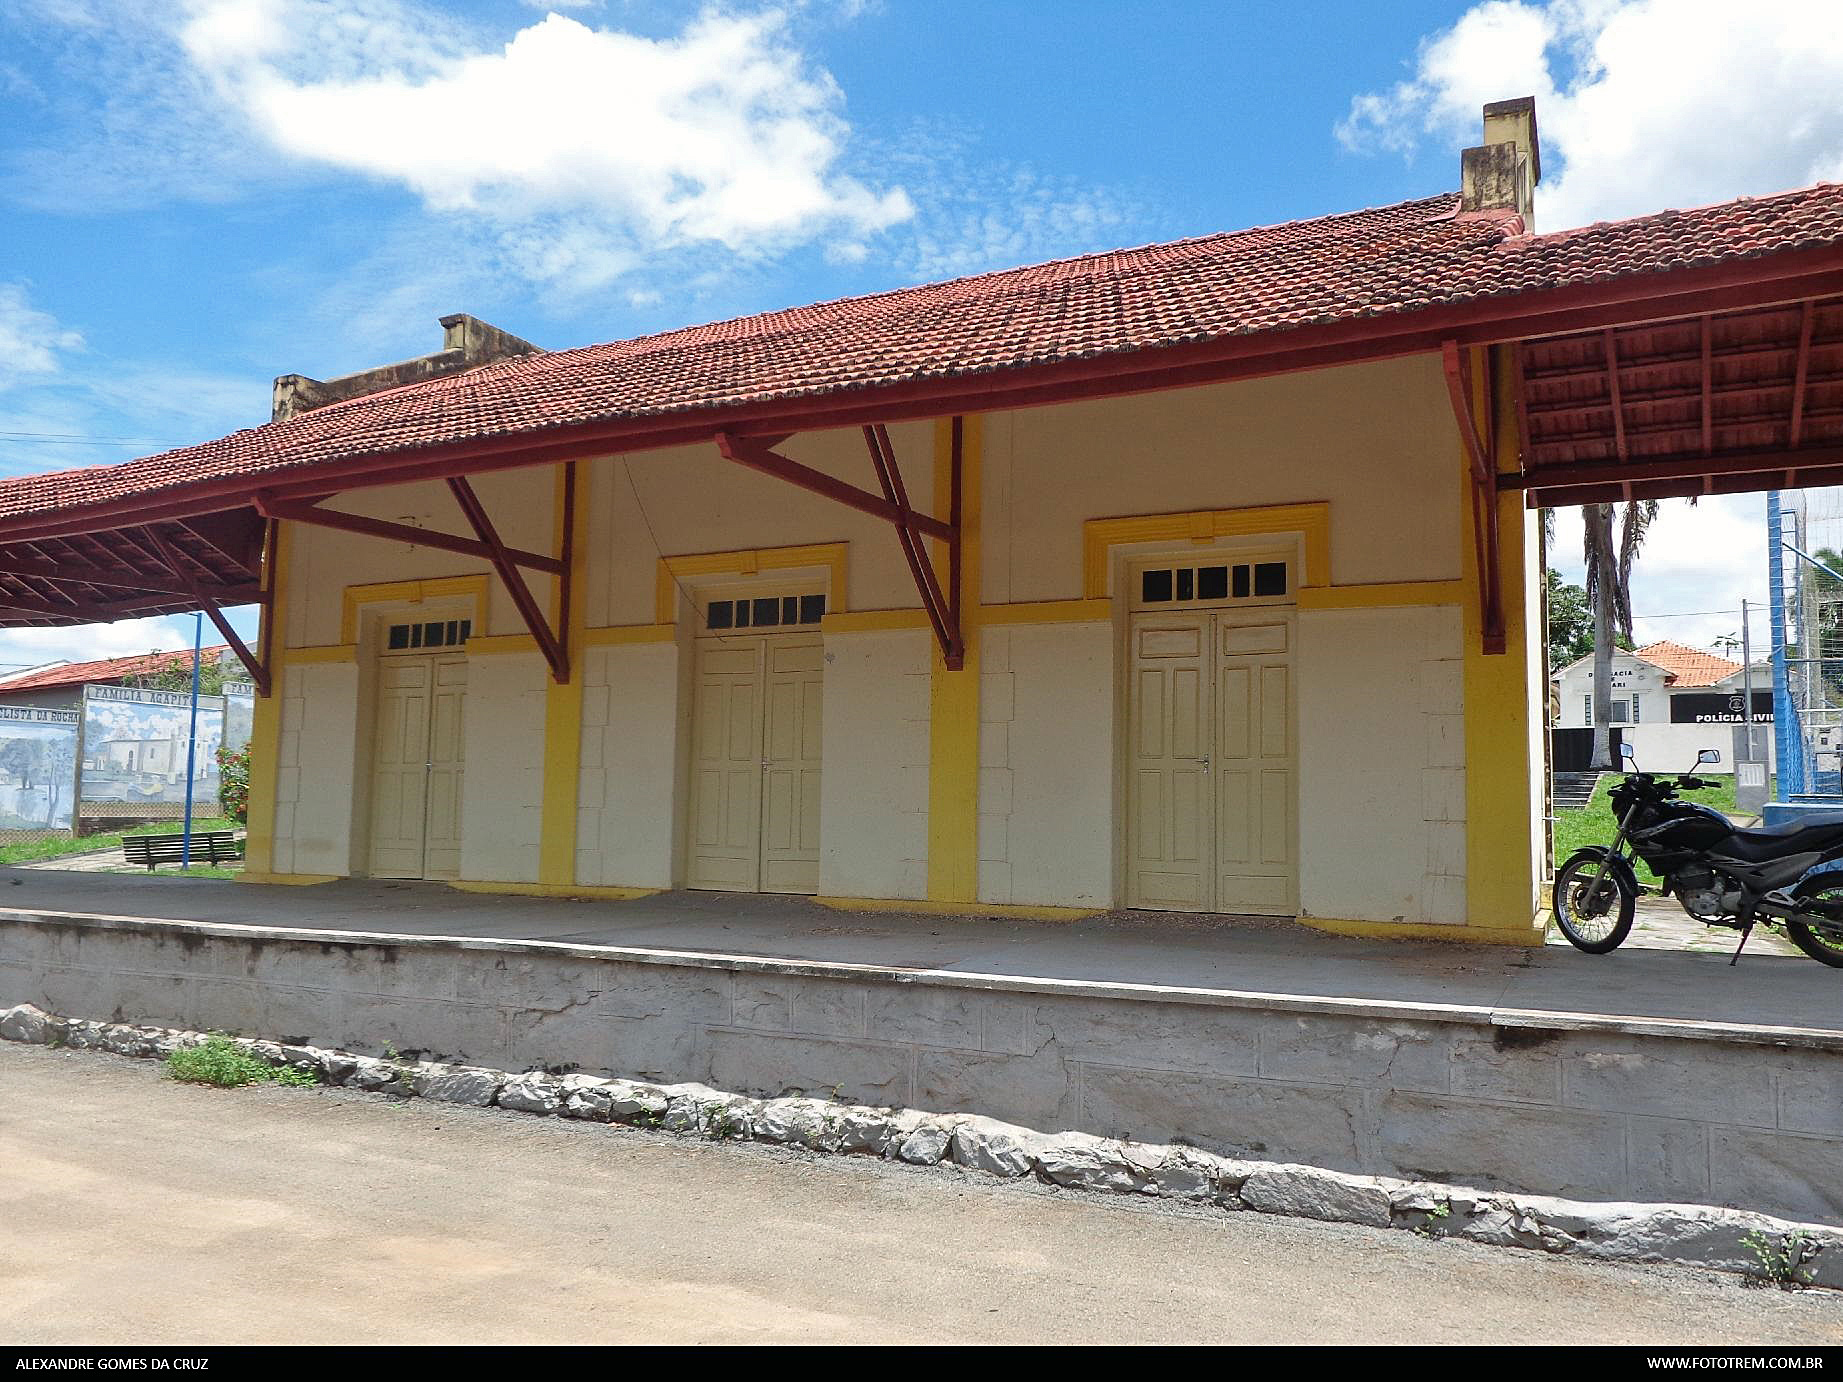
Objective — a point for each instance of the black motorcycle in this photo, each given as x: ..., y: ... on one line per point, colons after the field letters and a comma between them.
x: 1788, y: 876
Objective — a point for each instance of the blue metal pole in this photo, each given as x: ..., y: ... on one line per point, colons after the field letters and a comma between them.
x: 198, y: 642
x: 1788, y: 746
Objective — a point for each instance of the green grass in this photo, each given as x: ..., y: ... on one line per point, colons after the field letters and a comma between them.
x: 220, y: 1061
x: 1593, y: 823
x: 32, y: 851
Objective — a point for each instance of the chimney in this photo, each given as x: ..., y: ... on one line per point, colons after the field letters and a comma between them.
x: 1500, y: 176
x: 466, y: 343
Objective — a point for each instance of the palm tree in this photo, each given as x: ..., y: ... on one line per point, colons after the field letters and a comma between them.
x: 1609, y: 595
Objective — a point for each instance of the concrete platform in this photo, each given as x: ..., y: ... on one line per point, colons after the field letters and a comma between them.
x: 1650, y: 1074
x: 1769, y: 988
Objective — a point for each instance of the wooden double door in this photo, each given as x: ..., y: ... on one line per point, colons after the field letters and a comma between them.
x: 1211, y: 763
x: 418, y: 767
x: 754, y: 811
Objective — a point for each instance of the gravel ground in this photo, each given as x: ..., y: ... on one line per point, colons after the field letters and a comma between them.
x: 136, y: 1210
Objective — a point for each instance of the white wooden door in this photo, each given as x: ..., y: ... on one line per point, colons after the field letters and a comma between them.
x: 1210, y: 773
x: 1169, y: 859
x: 726, y: 769
x: 418, y: 762
x: 1253, y: 767
x: 447, y: 768
x: 756, y: 765
x: 790, y: 765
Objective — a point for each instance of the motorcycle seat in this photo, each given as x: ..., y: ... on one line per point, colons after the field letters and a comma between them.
x: 1798, y: 834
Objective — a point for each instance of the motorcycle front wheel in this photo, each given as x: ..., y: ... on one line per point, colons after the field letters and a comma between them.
x: 1821, y: 938
x: 1594, y: 919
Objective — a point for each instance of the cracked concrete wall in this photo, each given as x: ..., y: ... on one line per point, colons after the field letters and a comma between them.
x: 1590, y: 1114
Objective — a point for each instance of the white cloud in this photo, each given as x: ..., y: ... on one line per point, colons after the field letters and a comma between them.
x: 1641, y: 104
x: 31, y: 341
x: 589, y: 149
x: 1697, y: 565
x: 21, y: 648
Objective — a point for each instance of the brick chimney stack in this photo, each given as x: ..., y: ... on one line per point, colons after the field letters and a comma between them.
x: 466, y: 342
x: 1500, y: 175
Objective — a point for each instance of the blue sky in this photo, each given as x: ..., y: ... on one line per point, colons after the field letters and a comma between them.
x: 197, y: 196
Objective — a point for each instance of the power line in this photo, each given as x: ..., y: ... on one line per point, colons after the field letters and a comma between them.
x: 78, y: 439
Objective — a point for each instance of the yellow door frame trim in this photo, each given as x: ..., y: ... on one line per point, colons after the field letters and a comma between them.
x: 499, y: 644
x: 412, y: 593
x: 333, y: 652
x: 675, y: 571
x: 1383, y: 595
x: 616, y: 634
x: 1312, y: 521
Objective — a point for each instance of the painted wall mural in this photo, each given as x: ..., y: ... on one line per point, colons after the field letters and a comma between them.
x: 135, y: 746
x: 38, y: 762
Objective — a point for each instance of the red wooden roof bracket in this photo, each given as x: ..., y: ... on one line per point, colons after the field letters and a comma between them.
x: 505, y: 560
x: 941, y: 607
x: 1482, y: 468
x: 309, y: 511
x: 553, y: 643
x: 257, y: 667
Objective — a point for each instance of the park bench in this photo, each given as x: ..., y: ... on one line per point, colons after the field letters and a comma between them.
x: 208, y: 846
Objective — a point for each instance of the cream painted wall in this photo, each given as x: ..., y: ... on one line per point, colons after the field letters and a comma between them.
x: 631, y: 785
x: 689, y: 499
x: 1046, y: 766
x: 873, y: 793
x: 322, y: 562
x: 502, y: 799
x: 1375, y: 440
x: 1382, y: 765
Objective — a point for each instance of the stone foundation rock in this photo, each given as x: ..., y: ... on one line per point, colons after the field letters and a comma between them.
x: 1692, y: 1235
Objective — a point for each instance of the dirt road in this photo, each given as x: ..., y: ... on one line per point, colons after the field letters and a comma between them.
x: 135, y: 1210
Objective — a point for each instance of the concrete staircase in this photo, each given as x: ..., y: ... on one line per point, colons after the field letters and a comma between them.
x: 1571, y: 791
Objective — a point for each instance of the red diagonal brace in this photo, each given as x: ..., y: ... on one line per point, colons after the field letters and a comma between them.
x: 942, y: 610
x: 309, y: 511
x: 549, y: 642
x: 1482, y: 467
x: 941, y: 607
x: 255, y: 666
x: 754, y: 454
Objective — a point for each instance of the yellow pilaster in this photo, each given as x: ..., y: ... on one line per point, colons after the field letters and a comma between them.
x: 266, y: 723
x: 1502, y: 749
x: 953, y: 745
x: 563, y: 704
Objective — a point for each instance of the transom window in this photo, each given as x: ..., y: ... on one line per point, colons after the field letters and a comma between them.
x: 1213, y: 580
x: 434, y: 633
x: 764, y: 612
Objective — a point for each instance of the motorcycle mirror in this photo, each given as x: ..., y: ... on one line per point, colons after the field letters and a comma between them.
x: 1625, y: 752
x: 1708, y: 756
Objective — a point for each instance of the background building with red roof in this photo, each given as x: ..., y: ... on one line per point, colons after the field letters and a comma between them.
x: 1671, y: 700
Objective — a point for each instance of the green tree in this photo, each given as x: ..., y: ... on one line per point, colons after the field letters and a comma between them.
x: 176, y: 675
x: 1570, y: 622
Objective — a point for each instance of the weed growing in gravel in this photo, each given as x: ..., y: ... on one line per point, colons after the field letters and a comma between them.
x: 1784, y: 1262
x: 220, y: 1061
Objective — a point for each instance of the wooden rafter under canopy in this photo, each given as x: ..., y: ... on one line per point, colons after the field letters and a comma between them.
x: 1719, y: 403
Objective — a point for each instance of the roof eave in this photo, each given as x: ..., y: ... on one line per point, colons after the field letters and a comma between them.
x: 1753, y: 280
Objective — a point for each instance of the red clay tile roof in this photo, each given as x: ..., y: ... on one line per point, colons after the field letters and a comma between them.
x: 1687, y: 666
x: 1388, y: 261
x: 111, y: 669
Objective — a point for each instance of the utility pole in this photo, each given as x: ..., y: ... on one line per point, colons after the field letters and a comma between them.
x: 1747, y: 682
